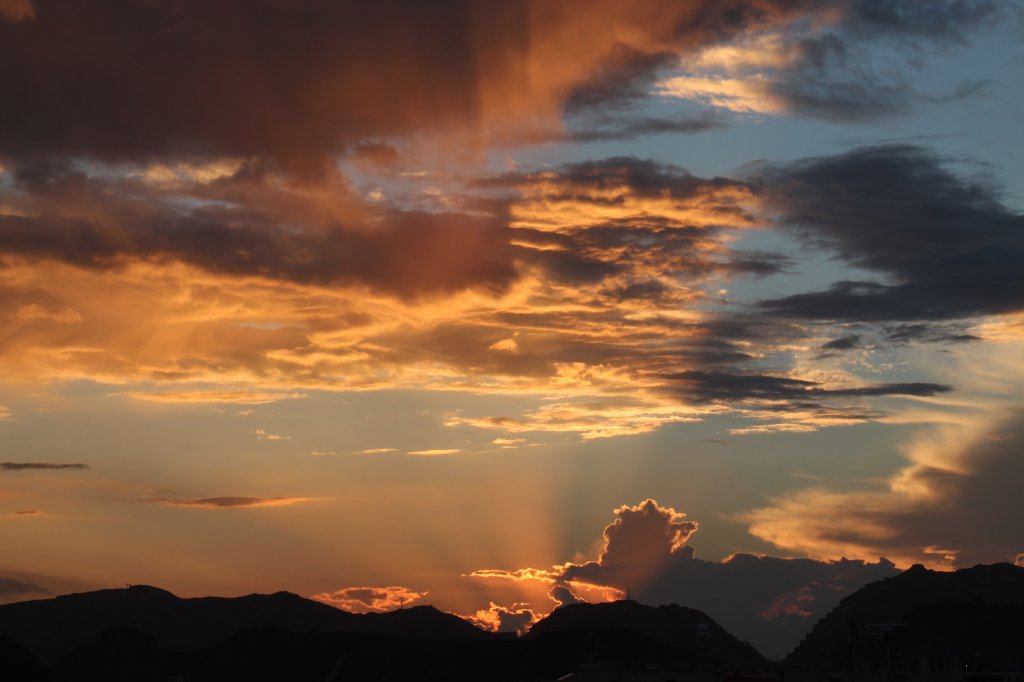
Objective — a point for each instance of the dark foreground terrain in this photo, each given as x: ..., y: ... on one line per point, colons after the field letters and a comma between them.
x: 918, y: 625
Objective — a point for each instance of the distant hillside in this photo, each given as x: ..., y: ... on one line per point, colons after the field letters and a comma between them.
x: 16, y: 663
x: 903, y: 599
x: 50, y: 628
x: 672, y: 626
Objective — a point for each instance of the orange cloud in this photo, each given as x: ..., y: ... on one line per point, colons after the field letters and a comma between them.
x: 516, y: 618
x: 944, y: 509
x: 231, y: 397
x: 434, y: 453
x: 229, y: 502
x: 364, y: 599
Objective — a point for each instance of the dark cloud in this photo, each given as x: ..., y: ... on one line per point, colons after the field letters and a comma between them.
x: 10, y: 587
x: 624, y: 75
x: 933, y: 21
x: 842, y: 343
x: 157, y: 79
x: 862, y: 67
x: 929, y: 333
x: 44, y: 466
x: 563, y: 595
x: 711, y: 386
x: 253, y: 225
x: 945, y: 245
x: 631, y: 129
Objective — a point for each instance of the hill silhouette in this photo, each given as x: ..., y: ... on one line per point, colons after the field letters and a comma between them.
x: 623, y: 636
x: 671, y: 625
x: 918, y: 600
x: 145, y: 633
x: 51, y: 628
x: 17, y: 663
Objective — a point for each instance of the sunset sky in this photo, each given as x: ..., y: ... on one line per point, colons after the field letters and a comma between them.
x: 500, y: 305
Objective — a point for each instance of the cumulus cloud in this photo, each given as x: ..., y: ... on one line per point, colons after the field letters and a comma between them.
x: 770, y: 601
x: 367, y: 599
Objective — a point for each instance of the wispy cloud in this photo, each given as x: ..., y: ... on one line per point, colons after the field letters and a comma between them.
x: 40, y: 466
x: 229, y: 502
x: 226, y: 396
x: 262, y: 434
x: 436, y: 452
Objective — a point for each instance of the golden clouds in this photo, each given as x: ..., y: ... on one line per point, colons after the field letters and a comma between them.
x: 588, y: 286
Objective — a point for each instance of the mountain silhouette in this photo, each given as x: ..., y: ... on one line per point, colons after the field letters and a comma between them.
x: 17, y: 663
x: 671, y: 626
x: 913, y: 602
x: 623, y: 636
x: 50, y: 628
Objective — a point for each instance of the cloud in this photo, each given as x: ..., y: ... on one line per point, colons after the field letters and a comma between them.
x: 435, y: 452
x: 228, y: 502
x: 261, y: 434
x: 466, y: 67
x: 11, y: 587
x: 496, y: 618
x: 723, y: 386
x: 770, y: 601
x: 226, y: 396
x: 39, y: 466
x: 951, y: 494
x: 600, y: 290
x: 377, y: 451
x: 365, y: 599
x: 252, y: 224
x: 843, y: 67
x: 563, y: 595
x: 945, y: 246
x: 845, y: 342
